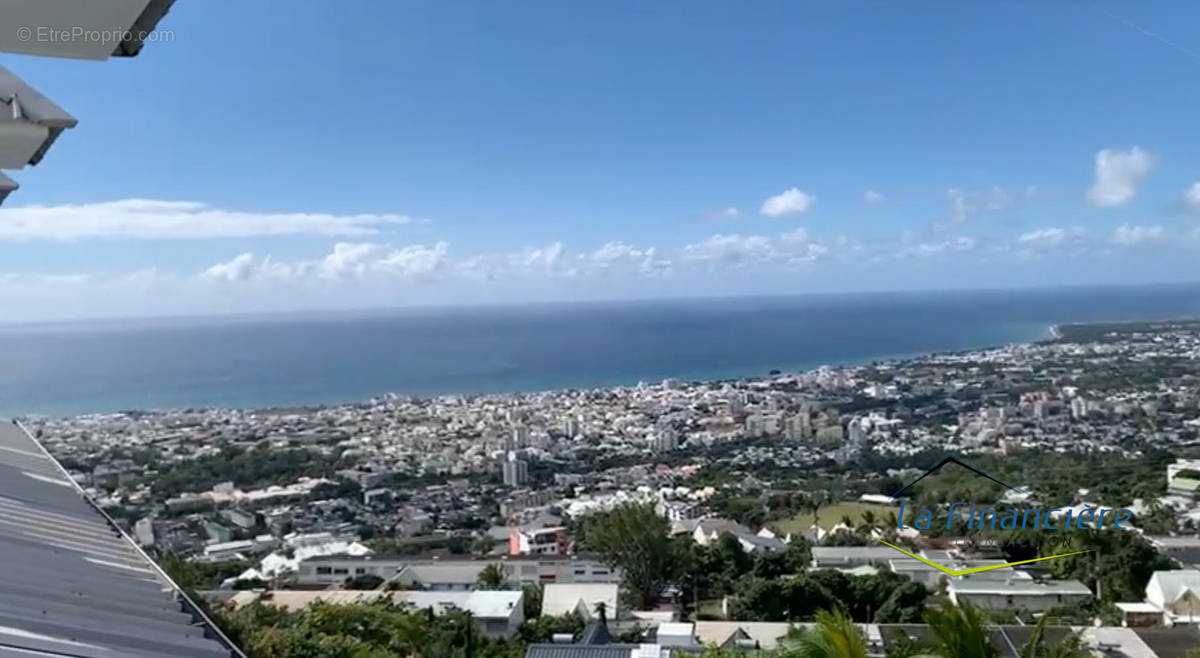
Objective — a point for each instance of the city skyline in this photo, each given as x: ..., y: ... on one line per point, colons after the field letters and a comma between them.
x: 463, y: 155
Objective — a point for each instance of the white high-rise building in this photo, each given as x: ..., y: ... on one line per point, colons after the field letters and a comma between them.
x: 666, y: 440
x: 571, y: 426
x: 515, y: 471
x: 1079, y: 408
x: 856, y: 433
x: 798, y: 427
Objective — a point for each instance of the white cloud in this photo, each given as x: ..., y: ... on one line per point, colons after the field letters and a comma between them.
x: 789, y: 202
x: 1129, y: 236
x: 240, y: 268
x: 176, y: 220
x: 346, y: 261
x: 932, y: 249
x: 1191, y: 198
x: 722, y: 214
x: 997, y: 199
x: 622, y: 257
x: 544, y: 259
x: 1047, y: 239
x: 872, y: 199
x: 550, y: 260
x: 793, y: 247
x: 797, y: 247
x: 1118, y: 174
x: 243, y: 267
x: 350, y: 260
x: 964, y: 205
x: 959, y: 208
x: 730, y: 249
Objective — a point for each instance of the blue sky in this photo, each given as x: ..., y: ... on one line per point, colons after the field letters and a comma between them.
x: 356, y: 154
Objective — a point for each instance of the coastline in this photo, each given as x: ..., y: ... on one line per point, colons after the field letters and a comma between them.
x: 306, y: 364
x: 745, y: 374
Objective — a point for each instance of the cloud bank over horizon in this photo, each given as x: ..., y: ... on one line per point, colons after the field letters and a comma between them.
x: 286, y: 260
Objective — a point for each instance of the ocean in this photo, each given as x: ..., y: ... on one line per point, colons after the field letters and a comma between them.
x: 328, y: 358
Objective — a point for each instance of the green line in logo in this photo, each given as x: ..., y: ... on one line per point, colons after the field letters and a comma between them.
x: 963, y: 572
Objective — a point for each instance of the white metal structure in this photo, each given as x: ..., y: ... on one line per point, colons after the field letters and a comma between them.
x: 78, y: 29
x: 29, y: 124
x: 7, y: 185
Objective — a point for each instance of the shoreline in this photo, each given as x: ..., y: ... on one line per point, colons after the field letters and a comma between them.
x: 532, y: 379
x: 626, y: 384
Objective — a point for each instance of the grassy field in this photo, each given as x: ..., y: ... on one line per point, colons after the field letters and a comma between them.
x: 831, y: 516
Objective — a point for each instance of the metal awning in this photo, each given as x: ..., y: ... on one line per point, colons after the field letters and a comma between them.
x: 79, y: 29
x: 7, y: 185
x: 29, y: 124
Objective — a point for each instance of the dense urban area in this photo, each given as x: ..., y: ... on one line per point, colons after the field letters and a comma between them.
x: 724, y: 518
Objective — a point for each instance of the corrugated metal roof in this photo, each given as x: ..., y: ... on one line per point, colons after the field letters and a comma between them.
x: 1174, y: 642
x: 73, y: 584
x: 580, y: 651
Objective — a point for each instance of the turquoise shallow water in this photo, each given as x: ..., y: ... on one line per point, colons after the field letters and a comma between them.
x: 246, y: 361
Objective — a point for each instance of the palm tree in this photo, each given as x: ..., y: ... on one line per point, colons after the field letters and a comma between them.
x: 1070, y: 647
x: 869, y: 521
x: 491, y: 577
x: 834, y: 636
x: 958, y: 632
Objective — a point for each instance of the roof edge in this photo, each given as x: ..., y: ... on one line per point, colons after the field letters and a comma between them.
x: 146, y: 23
x: 189, y: 606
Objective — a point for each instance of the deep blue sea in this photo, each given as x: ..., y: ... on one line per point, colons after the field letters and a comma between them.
x: 308, y: 359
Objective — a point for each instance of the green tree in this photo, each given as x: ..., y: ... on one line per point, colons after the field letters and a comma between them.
x: 761, y: 599
x: 491, y: 577
x: 363, y: 581
x: 869, y: 520
x: 483, y: 545
x: 532, y: 600
x: 834, y: 636
x: 361, y: 630
x: 904, y: 605
x: 959, y: 632
x: 717, y: 652
x: 201, y: 575
x: 634, y: 539
x: 545, y: 627
x: 1036, y: 647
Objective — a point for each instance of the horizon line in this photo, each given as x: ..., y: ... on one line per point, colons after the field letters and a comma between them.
x: 465, y: 306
